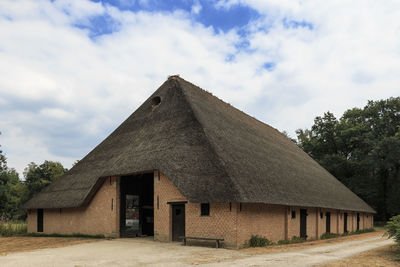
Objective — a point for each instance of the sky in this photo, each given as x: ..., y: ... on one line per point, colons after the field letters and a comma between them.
x: 72, y: 71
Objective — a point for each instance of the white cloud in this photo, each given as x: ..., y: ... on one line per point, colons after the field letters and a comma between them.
x: 62, y: 92
x: 196, y: 8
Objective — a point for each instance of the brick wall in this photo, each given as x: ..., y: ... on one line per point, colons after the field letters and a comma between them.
x: 293, y: 223
x: 235, y: 222
x: 164, y: 191
x: 96, y: 218
x: 261, y: 219
x: 220, y: 224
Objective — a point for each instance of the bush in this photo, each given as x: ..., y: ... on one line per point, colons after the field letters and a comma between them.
x: 393, y: 228
x: 13, y: 228
x: 259, y: 241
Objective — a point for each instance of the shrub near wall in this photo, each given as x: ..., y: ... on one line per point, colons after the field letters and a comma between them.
x: 393, y: 228
x: 13, y: 228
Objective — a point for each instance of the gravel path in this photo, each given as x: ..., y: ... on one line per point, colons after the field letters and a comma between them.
x: 142, y: 252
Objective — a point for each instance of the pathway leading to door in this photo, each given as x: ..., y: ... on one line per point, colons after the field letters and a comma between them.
x: 143, y: 252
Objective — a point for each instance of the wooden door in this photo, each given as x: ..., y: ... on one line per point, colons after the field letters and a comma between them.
x: 40, y: 220
x: 178, y: 221
x: 328, y: 222
x: 303, y: 223
x: 358, y: 221
x: 345, y: 223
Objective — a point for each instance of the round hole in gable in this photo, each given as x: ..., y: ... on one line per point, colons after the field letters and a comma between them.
x: 156, y: 101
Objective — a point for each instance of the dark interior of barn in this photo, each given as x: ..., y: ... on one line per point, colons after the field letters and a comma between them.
x: 137, y: 205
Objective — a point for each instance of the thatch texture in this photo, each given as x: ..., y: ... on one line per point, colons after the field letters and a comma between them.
x: 211, y: 151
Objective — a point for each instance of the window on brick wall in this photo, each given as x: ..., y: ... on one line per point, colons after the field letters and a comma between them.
x: 205, y: 209
x: 293, y: 214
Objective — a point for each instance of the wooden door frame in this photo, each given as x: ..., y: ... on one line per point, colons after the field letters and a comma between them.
x: 171, y: 219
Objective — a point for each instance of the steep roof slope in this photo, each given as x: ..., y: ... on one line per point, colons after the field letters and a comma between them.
x: 211, y: 151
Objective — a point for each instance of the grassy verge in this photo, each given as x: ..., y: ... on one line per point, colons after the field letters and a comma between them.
x: 79, y: 235
x: 19, y: 228
x: 16, y: 228
x: 259, y: 241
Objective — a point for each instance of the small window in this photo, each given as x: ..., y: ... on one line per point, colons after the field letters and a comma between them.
x: 205, y: 209
x: 321, y: 214
x: 293, y: 214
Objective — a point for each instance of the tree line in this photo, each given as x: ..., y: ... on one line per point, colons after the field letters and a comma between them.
x: 362, y: 150
x: 14, y: 192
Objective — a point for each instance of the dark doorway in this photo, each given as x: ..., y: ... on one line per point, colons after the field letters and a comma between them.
x: 137, y: 205
x: 303, y: 223
x: 178, y: 221
x: 328, y: 222
x: 345, y: 223
x: 40, y: 220
x: 358, y: 221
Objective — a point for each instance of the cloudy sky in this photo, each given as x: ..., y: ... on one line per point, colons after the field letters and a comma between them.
x: 72, y: 71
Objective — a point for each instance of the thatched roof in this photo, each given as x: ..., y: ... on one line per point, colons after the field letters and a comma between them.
x: 210, y: 151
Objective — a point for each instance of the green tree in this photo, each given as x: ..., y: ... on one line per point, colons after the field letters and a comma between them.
x: 11, y: 191
x: 39, y: 176
x: 362, y: 149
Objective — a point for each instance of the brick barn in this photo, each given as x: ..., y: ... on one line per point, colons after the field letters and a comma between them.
x: 186, y: 163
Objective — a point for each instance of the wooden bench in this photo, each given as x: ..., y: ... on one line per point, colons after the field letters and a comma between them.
x: 217, y: 240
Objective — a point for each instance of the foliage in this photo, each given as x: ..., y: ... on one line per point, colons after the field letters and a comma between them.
x: 393, y: 228
x: 362, y: 150
x: 259, y: 241
x: 283, y: 242
x: 367, y: 230
x: 14, y: 191
x: 11, y: 190
x: 296, y: 239
x: 327, y: 235
x: 16, y: 228
x: 39, y: 176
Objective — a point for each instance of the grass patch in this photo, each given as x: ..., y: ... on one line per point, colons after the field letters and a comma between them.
x: 294, y: 240
x: 16, y: 228
x: 333, y: 235
x: 369, y: 230
x: 19, y: 228
x: 329, y: 235
x: 77, y: 235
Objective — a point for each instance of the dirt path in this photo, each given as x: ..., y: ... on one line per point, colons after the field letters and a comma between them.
x: 144, y: 252
x: 312, y: 256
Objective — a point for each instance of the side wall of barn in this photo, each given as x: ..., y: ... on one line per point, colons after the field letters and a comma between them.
x: 234, y: 222
x: 100, y: 217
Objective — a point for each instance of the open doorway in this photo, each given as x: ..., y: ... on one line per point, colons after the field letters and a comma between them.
x: 137, y: 205
x: 303, y: 223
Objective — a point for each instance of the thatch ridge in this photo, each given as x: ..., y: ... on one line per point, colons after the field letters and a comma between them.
x: 210, y: 150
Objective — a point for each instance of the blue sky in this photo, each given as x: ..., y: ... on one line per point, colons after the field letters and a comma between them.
x: 72, y: 71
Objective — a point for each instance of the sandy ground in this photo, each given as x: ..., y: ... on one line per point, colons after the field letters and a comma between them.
x: 144, y: 252
x: 10, y: 245
x: 388, y: 255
